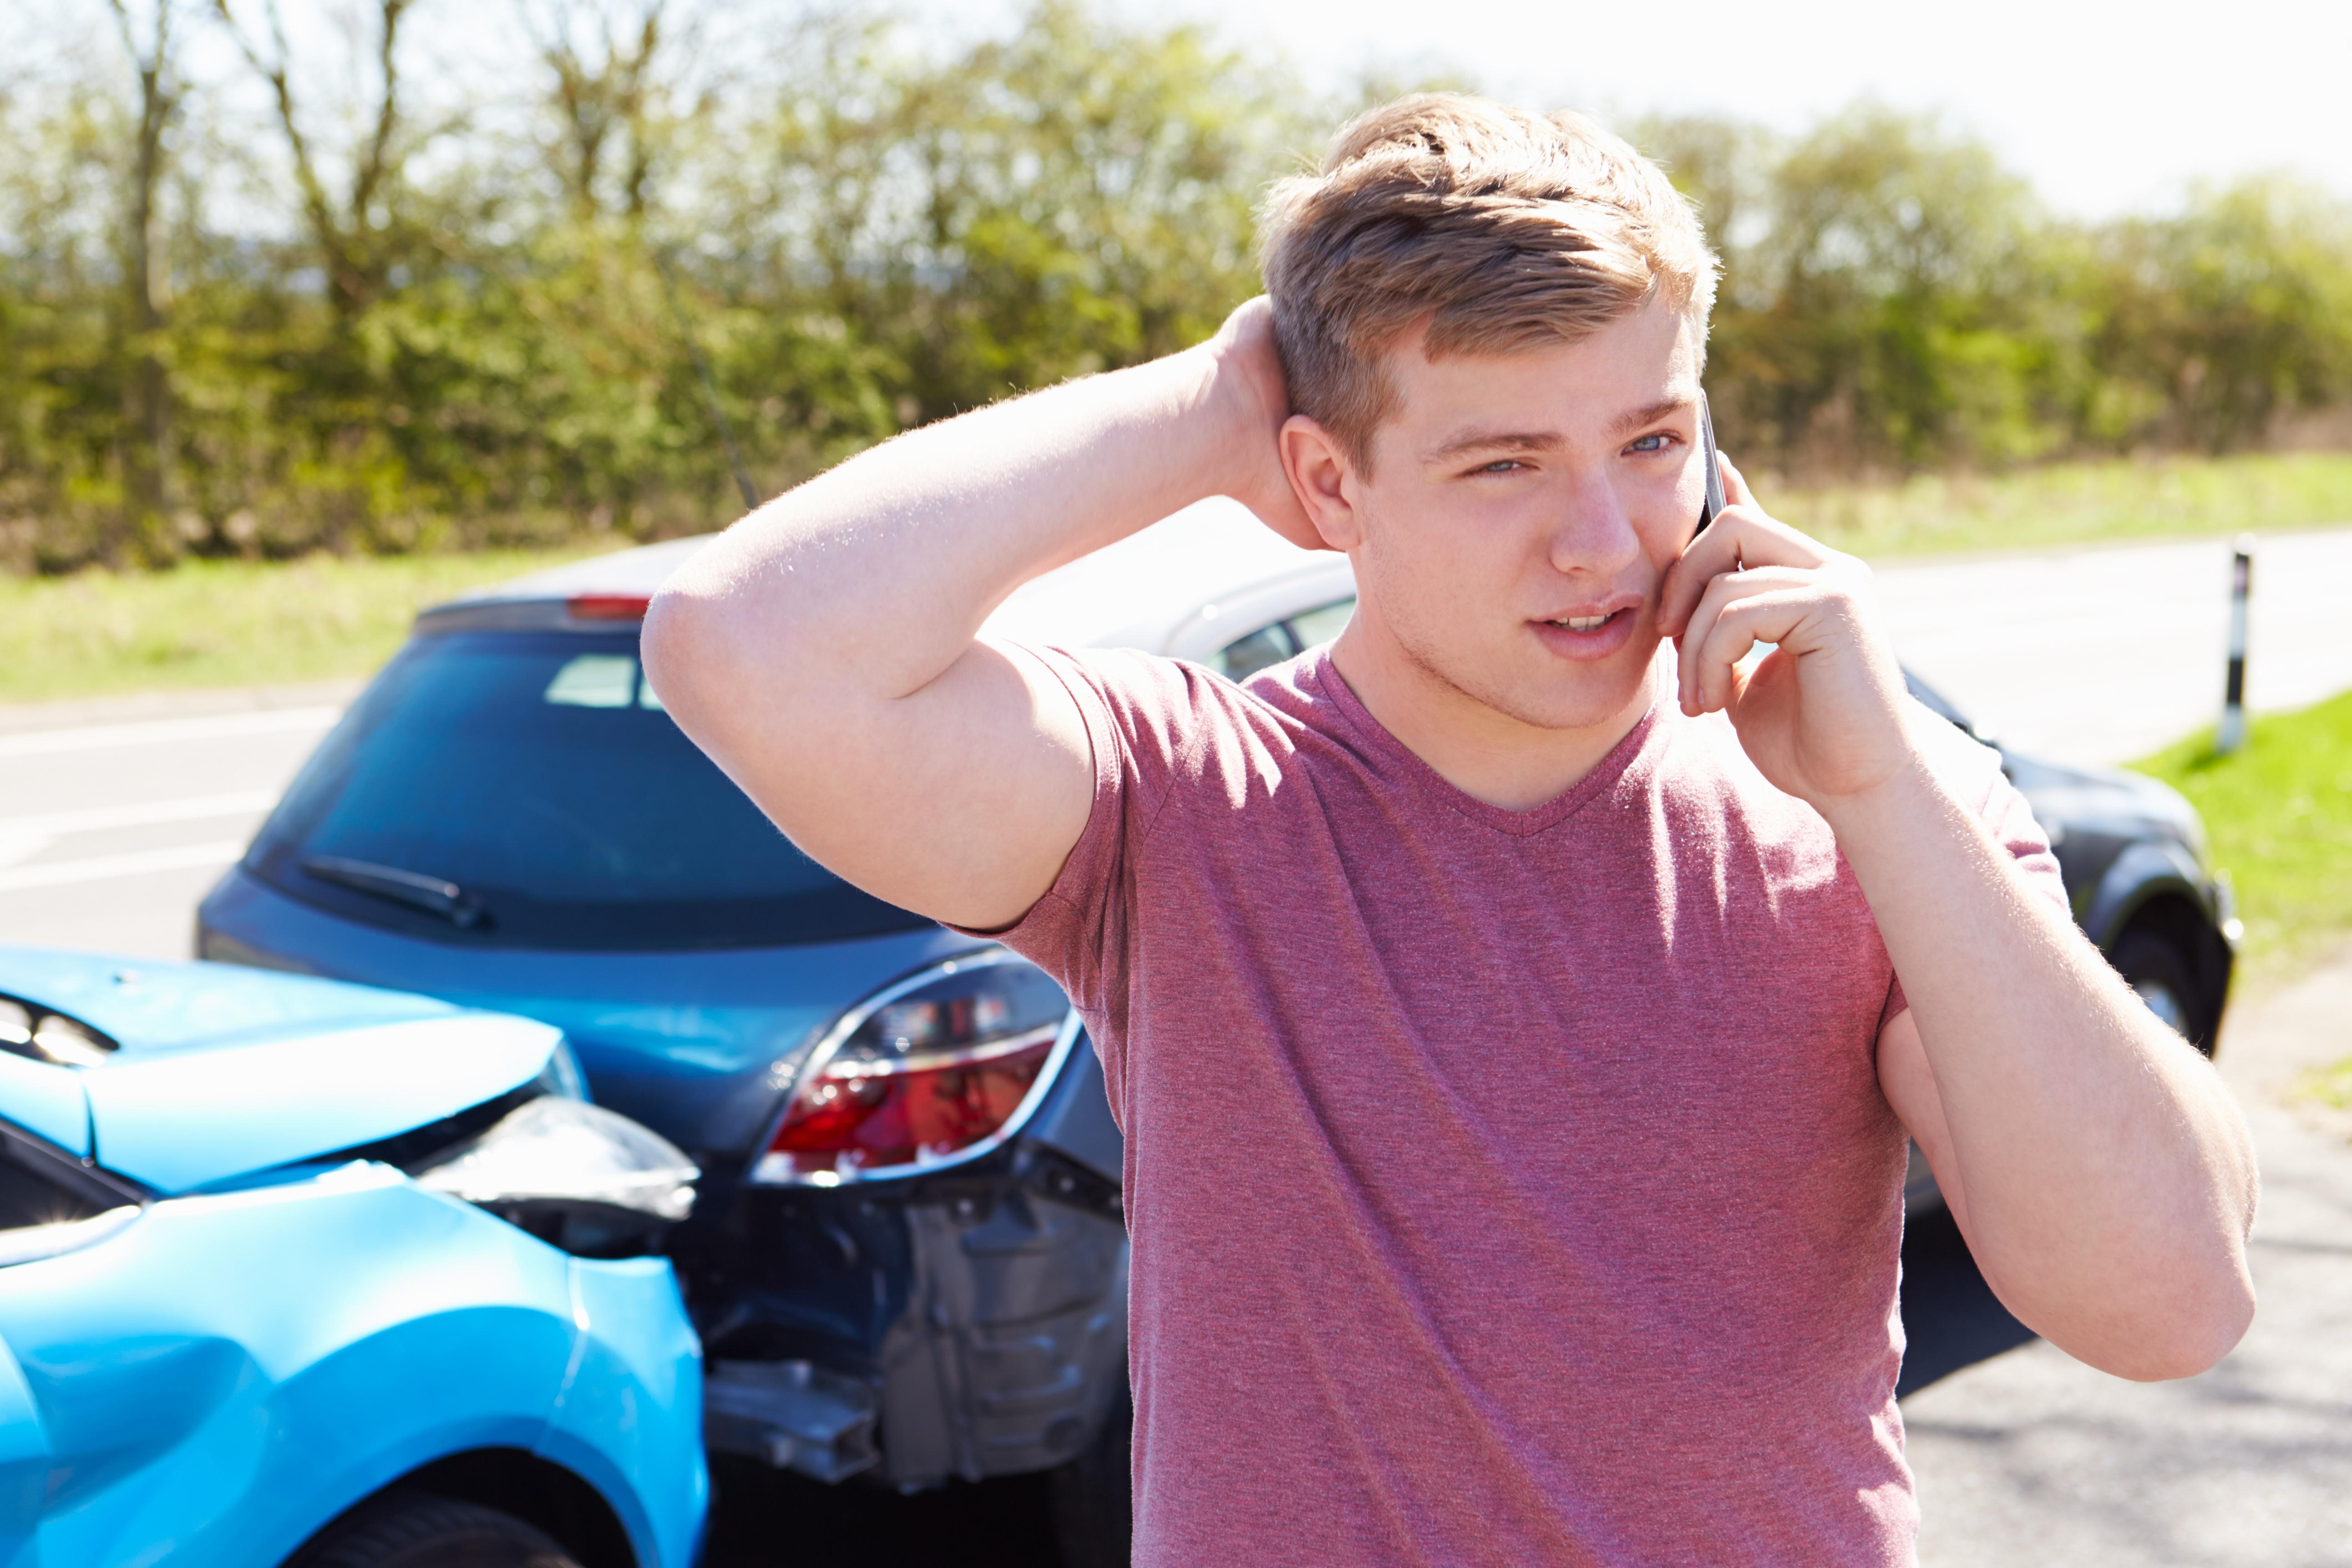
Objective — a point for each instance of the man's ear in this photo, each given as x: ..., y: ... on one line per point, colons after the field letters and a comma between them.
x: 1323, y: 479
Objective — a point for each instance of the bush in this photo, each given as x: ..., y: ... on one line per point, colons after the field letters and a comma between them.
x: 474, y: 320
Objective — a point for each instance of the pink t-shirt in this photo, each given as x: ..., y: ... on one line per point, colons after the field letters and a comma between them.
x: 1505, y: 1187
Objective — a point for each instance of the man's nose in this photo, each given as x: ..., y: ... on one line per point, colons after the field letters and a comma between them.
x: 1593, y: 533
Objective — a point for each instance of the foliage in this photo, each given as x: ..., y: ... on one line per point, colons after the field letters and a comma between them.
x: 365, y: 302
x: 1893, y: 301
x: 1073, y: 199
x: 463, y: 337
x: 2280, y: 814
x: 2330, y: 1086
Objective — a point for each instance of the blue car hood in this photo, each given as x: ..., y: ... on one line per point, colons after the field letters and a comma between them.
x: 225, y: 1070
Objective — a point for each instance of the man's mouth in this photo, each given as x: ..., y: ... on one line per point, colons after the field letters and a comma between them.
x: 1584, y: 622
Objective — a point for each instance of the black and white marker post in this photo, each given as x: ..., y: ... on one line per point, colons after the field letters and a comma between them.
x: 2233, y: 733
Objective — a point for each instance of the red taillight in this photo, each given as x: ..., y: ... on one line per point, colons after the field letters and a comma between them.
x: 608, y: 606
x: 851, y: 1116
x: 935, y: 1066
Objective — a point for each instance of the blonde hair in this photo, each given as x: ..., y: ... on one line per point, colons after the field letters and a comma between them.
x: 1507, y: 230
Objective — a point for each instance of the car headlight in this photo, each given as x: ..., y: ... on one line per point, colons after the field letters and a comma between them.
x: 574, y: 1174
x: 31, y: 1031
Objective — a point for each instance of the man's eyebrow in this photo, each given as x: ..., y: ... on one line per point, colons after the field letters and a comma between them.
x: 1663, y: 408
x: 1494, y: 441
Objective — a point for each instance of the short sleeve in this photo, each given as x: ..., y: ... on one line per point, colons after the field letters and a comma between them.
x: 1147, y: 720
x: 1973, y: 772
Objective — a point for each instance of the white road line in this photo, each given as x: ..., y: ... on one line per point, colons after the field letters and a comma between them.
x: 140, y: 813
x: 159, y: 732
x: 181, y: 858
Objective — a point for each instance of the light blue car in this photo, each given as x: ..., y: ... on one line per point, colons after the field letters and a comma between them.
x: 297, y: 1271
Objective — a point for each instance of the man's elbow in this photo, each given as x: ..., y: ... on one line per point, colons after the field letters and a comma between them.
x: 671, y: 644
x: 2201, y: 1338
x: 690, y: 647
x: 2185, y: 1336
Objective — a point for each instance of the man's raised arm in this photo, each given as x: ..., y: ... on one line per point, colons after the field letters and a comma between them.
x: 825, y: 649
x: 2098, y: 1168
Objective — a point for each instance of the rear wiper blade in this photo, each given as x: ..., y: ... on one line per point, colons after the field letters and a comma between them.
x: 430, y: 894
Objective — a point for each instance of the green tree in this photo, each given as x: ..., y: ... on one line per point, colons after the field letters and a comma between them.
x: 381, y: 307
x: 2227, y: 317
x: 148, y: 38
x: 1075, y: 198
x: 1889, y: 323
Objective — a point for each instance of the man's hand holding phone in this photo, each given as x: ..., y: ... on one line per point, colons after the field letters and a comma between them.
x: 1823, y: 715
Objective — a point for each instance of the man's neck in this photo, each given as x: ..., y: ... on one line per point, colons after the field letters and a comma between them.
x: 1485, y: 752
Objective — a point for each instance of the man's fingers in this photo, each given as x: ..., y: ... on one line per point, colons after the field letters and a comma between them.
x: 1739, y: 610
x: 1702, y: 560
x: 1741, y: 539
x: 1735, y: 486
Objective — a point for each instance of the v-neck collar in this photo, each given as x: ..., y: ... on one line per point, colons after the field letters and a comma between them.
x: 1639, y: 746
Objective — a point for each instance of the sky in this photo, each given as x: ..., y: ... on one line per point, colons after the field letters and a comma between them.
x: 2105, y: 108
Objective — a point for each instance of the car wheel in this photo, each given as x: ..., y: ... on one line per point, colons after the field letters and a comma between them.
x: 2162, y: 976
x: 1094, y: 1510
x: 416, y: 1529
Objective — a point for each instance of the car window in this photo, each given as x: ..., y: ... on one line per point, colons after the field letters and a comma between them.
x: 600, y: 681
x: 1240, y: 660
x: 1321, y: 626
x: 527, y: 789
x: 1245, y: 656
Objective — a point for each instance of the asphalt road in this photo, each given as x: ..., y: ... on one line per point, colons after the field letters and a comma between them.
x: 116, y: 815
x: 2103, y: 655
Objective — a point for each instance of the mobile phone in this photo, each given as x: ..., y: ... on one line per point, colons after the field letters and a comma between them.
x: 1713, y: 503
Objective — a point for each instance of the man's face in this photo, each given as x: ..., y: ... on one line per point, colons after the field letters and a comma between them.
x: 1522, y: 513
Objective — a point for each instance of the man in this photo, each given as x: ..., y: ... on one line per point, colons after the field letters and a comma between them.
x: 1515, y: 1031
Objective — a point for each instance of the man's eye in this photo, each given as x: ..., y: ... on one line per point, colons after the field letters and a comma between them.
x: 1501, y: 466
x: 1656, y: 443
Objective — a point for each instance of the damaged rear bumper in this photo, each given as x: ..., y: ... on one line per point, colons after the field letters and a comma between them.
x: 971, y: 1326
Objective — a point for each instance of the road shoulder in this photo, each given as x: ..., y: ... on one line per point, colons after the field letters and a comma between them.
x: 2033, y: 1458
x: 93, y: 712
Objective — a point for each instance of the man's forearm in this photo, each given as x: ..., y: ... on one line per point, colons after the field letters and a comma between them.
x: 878, y: 572
x: 824, y: 650
x: 2104, y: 1178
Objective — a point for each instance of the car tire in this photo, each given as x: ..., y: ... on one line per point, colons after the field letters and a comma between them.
x: 1091, y: 1496
x: 2163, y: 978
x: 416, y: 1529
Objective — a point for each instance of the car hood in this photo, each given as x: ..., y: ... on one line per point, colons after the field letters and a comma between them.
x: 223, y: 1071
x: 2111, y: 800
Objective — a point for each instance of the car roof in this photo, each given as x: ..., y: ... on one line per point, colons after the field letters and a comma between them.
x: 1182, y: 585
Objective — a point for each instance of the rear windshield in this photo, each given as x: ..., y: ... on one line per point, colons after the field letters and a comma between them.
x: 527, y: 790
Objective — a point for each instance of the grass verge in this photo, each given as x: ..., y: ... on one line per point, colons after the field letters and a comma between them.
x: 2072, y: 503
x: 228, y: 623
x: 2329, y: 1086
x: 2280, y: 814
